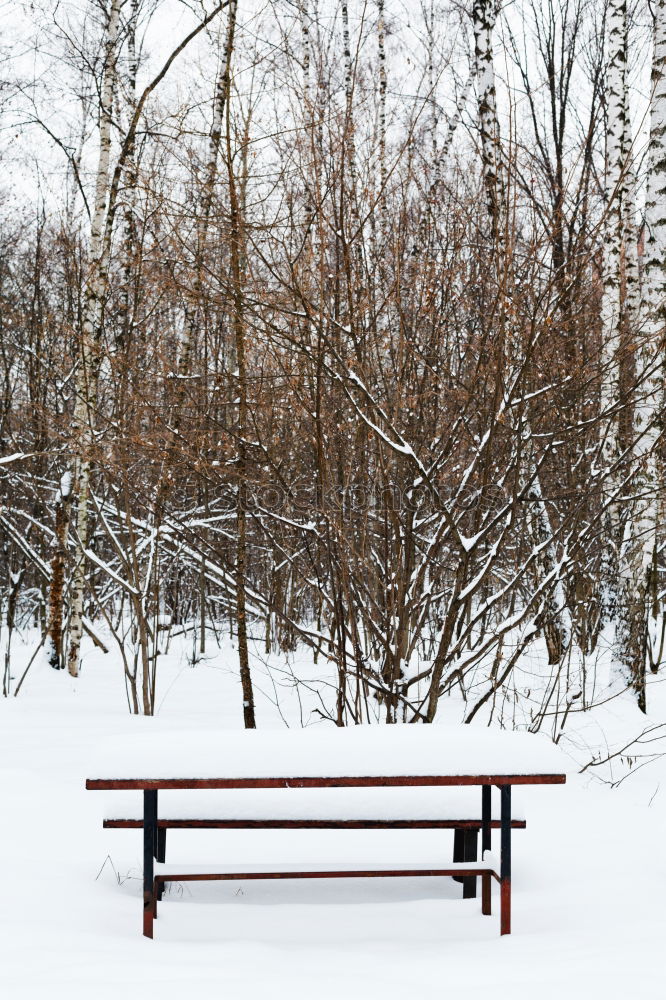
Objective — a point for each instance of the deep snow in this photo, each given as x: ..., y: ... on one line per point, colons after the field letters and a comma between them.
x: 588, y: 878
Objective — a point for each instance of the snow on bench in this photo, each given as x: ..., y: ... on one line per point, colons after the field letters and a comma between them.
x: 279, y: 755
x: 312, y: 804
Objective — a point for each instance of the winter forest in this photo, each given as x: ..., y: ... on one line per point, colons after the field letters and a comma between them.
x: 332, y: 394
x: 338, y: 327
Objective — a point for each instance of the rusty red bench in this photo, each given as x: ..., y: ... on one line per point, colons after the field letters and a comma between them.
x: 372, y: 757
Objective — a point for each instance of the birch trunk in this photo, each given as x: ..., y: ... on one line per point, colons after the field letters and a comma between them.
x: 352, y: 237
x: 640, y: 535
x: 620, y: 290
x: 89, y: 359
x: 483, y: 23
x: 381, y: 56
x: 611, y: 299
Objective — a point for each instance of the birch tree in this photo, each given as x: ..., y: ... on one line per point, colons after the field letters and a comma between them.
x: 105, y: 204
x: 620, y: 275
x: 484, y: 14
x: 638, y: 555
x: 91, y: 336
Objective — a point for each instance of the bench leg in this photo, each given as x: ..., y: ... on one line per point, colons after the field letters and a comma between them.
x: 147, y: 920
x: 486, y: 836
x: 486, y: 817
x: 471, y: 842
x: 505, y: 906
x: 458, y: 850
x: 149, y: 841
x: 486, y: 897
x: 505, y: 861
x: 160, y: 854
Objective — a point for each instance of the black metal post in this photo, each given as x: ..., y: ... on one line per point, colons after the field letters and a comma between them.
x: 486, y: 818
x: 149, y: 846
x: 161, y: 845
x: 505, y: 859
x: 470, y: 850
x: 486, y: 844
x: 156, y: 837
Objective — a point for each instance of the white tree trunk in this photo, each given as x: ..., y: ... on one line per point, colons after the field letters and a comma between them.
x: 483, y: 23
x: 611, y: 304
x: 350, y: 132
x: 621, y: 297
x: 640, y: 534
x: 89, y: 359
x: 381, y: 58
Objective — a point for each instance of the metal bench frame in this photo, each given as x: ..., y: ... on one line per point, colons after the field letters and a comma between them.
x: 152, y: 848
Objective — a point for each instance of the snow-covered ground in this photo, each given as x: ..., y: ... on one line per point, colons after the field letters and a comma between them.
x: 589, y: 874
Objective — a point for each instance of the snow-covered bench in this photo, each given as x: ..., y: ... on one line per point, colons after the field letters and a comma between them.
x: 368, y: 776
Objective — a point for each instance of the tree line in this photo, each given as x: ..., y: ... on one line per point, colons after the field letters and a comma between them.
x: 341, y: 325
